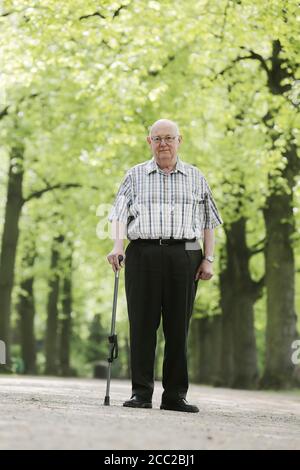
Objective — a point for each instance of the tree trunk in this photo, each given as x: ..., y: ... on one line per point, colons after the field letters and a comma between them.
x: 52, y: 312
x: 245, y: 295
x: 280, y: 282
x: 279, y: 371
x: 201, y: 329
x: 26, y: 311
x: 227, y: 305
x: 9, y: 242
x: 208, y: 334
x: 216, y: 342
x: 238, y: 308
x: 66, y: 321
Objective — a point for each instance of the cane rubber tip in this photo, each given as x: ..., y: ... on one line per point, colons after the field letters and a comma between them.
x: 106, y: 401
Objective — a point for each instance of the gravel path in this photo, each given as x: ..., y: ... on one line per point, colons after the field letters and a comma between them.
x: 51, y: 413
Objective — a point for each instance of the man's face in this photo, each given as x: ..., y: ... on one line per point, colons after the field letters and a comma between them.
x: 164, y: 141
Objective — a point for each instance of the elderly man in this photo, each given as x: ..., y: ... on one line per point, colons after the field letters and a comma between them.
x: 163, y: 207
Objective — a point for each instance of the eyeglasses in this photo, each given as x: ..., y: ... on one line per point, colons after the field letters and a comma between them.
x: 158, y: 140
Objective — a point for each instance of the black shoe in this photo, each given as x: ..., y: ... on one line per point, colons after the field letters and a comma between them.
x: 179, y: 405
x: 138, y: 402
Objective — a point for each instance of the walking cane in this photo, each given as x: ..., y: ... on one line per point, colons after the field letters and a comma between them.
x: 113, y: 340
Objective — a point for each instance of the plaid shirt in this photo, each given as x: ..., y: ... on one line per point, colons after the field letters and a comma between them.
x: 153, y: 204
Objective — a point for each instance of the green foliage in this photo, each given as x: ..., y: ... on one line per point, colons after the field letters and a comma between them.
x: 82, y: 81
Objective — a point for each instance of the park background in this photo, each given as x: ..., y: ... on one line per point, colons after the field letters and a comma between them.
x: 80, y: 83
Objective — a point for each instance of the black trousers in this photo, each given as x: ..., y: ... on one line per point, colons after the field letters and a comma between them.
x: 160, y: 282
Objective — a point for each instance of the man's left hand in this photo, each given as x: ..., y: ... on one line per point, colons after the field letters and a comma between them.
x: 205, y: 271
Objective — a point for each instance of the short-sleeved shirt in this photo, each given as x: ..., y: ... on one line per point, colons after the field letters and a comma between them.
x: 154, y: 204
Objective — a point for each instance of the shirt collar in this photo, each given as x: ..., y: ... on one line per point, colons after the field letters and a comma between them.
x: 152, y: 166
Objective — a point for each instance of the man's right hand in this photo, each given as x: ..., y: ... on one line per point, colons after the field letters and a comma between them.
x: 113, y: 256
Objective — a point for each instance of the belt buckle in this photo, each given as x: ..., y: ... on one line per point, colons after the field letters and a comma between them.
x: 161, y: 242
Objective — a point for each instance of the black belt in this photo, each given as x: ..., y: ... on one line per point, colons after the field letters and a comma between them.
x: 163, y: 241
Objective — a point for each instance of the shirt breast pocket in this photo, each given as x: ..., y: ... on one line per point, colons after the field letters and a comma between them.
x: 199, y: 212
